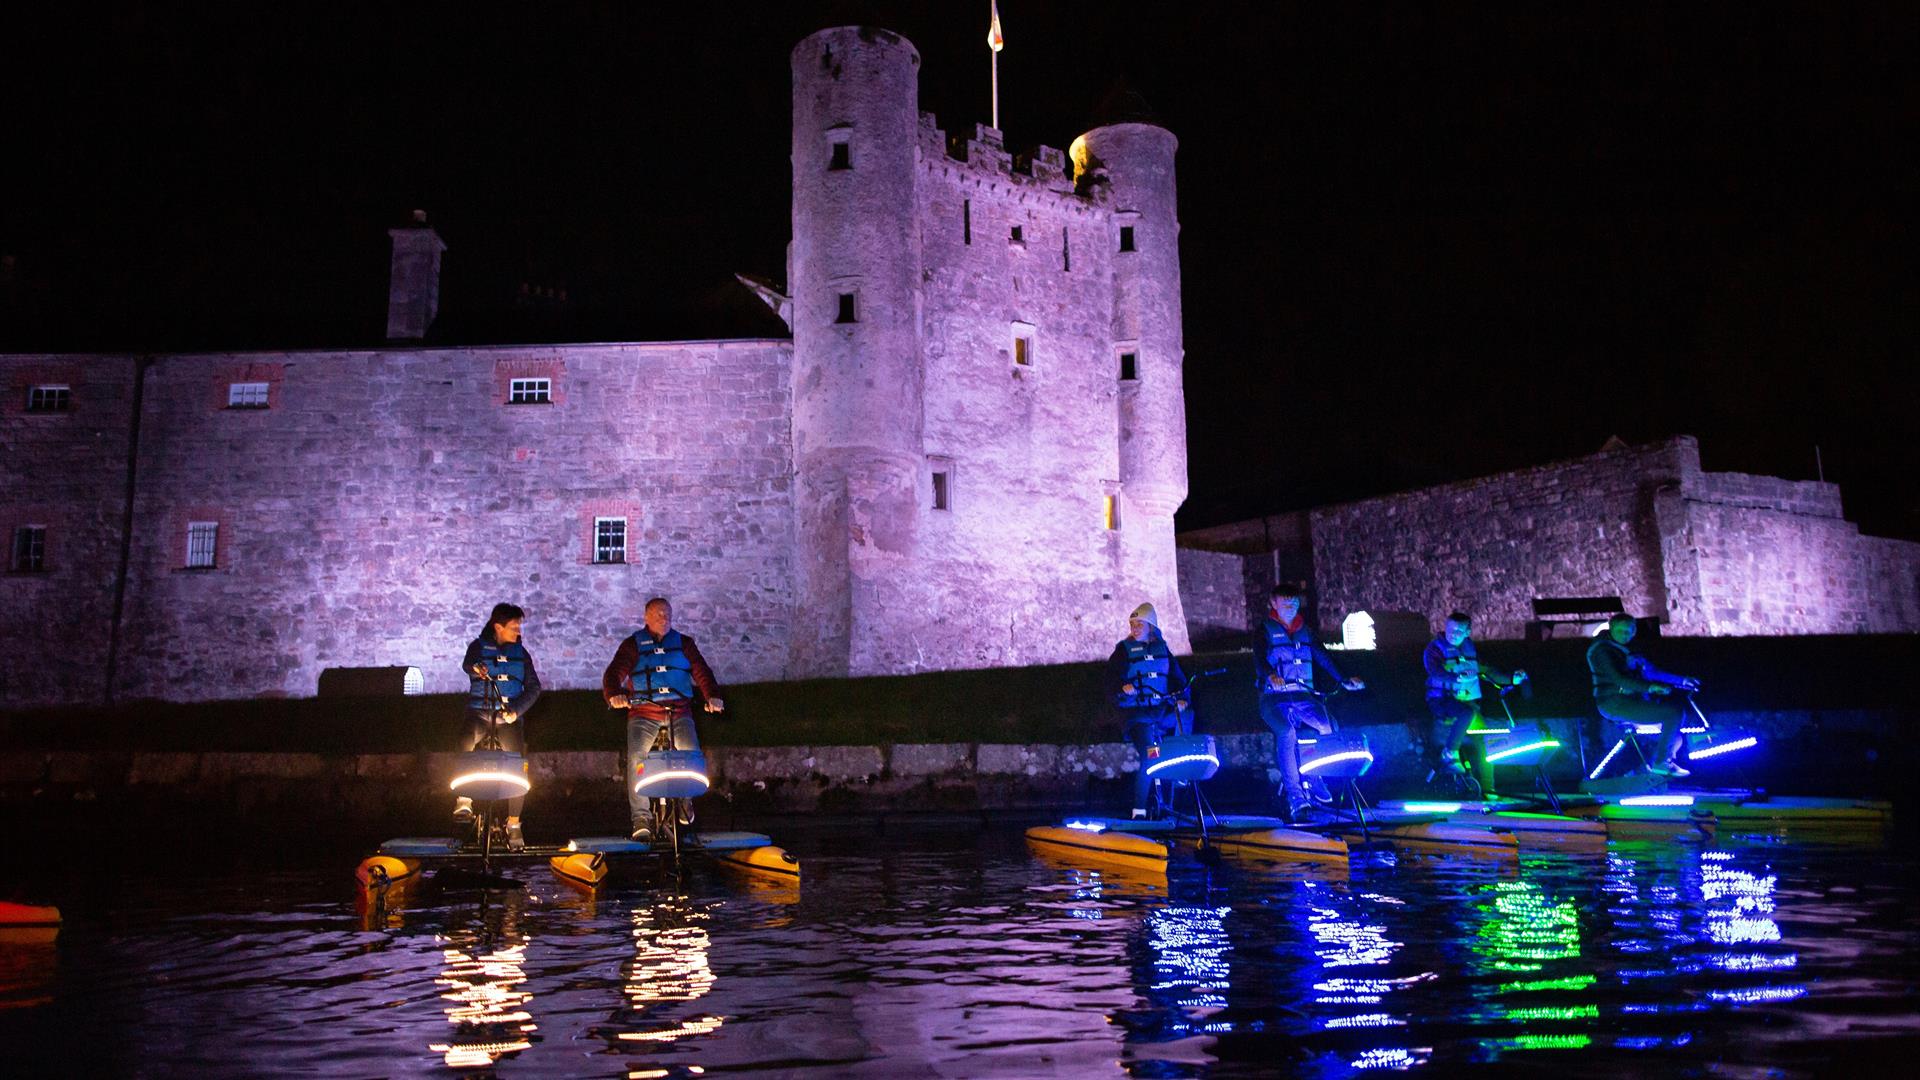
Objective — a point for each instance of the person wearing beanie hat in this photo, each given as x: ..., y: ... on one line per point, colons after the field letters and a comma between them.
x: 1285, y: 655
x: 1146, y: 685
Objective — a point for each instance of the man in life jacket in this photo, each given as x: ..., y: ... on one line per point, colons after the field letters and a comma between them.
x: 1454, y: 671
x: 1285, y: 655
x: 499, y: 669
x: 1629, y: 690
x: 1144, y: 682
x: 656, y: 675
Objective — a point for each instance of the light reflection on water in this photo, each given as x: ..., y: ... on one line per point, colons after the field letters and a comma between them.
x: 964, y: 954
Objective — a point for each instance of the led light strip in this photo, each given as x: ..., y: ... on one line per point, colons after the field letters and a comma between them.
x: 1602, y: 767
x: 1723, y: 748
x: 1515, y: 751
x: 1657, y: 800
x: 1167, y: 763
x: 671, y: 774
x: 1333, y: 759
x: 520, y: 782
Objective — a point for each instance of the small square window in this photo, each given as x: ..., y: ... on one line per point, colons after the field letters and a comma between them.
x: 1017, y: 236
x: 29, y: 550
x: 845, y: 312
x: 1110, y: 511
x: 609, y: 540
x: 942, y: 493
x: 1129, y: 366
x: 247, y: 395
x: 49, y: 397
x: 1023, y: 347
x: 203, y: 539
x: 1126, y: 238
x: 530, y: 392
x: 842, y: 157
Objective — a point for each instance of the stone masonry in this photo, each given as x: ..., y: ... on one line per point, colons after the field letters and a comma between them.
x: 968, y: 455
x: 1710, y: 554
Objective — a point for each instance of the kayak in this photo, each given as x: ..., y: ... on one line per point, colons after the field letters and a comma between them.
x: 14, y: 915
x: 1532, y: 828
x: 1279, y: 844
x: 583, y: 862
x: 1094, y: 842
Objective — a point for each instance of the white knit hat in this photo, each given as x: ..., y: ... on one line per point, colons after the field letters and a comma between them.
x: 1146, y: 614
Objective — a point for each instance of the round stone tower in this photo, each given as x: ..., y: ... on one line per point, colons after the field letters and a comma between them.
x: 1136, y: 161
x: 854, y: 275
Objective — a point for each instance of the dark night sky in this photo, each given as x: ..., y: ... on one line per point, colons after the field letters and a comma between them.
x: 1420, y: 242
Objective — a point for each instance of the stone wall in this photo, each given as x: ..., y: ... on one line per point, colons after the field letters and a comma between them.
x: 64, y: 472
x: 1214, y: 594
x: 375, y: 512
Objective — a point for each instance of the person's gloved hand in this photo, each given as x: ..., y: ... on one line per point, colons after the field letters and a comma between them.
x: 1519, y: 677
x: 716, y: 705
x: 1355, y: 684
x: 508, y: 716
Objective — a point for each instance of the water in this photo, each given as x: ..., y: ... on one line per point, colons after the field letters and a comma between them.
x: 957, y: 952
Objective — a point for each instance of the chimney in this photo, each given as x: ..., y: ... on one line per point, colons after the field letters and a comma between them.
x: 413, y: 296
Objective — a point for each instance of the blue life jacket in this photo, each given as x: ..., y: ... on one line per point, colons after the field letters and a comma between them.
x: 507, y: 664
x: 1147, y: 665
x: 1290, y: 653
x: 661, y: 673
x: 1463, y: 664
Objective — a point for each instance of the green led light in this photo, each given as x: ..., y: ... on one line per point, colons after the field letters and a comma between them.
x: 1556, y: 1012
x: 1552, y: 1042
x: 1571, y: 982
x: 1515, y: 751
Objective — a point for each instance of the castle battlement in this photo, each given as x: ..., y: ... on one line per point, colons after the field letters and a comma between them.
x: 984, y: 159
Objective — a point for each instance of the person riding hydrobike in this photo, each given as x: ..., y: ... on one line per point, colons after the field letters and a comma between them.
x: 1629, y: 690
x: 501, y: 687
x: 1145, y: 684
x: 656, y: 675
x: 1285, y: 655
x: 1454, y: 671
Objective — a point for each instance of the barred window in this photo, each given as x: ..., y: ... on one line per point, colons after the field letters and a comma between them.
x: 247, y: 395
x: 609, y: 539
x: 49, y: 397
x: 530, y: 392
x: 29, y: 549
x: 202, y: 541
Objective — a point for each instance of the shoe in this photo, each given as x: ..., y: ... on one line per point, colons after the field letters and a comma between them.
x: 516, y: 841
x: 463, y: 811
x: 686, y: 811
x: 1664, y: 768
x: 1450, y: 760
x: 1677, y: 770
x: 641, y: 834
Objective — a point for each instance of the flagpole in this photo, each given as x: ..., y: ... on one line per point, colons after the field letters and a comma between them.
x: 996, y: 89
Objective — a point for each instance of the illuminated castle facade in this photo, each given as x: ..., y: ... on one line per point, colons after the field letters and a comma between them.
x: 967, y: 453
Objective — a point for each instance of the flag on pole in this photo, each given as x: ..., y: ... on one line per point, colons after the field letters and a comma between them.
x: 994, y: 40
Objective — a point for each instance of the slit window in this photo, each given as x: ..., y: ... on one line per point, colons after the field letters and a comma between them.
x: 844, y: 312
x: 609, y: 539
x: 840, y: 158
x: 942, y: 491
x: 49, y: 397
x: 1110, y: 512
x: 203, y: 538
x: 966, y: 221
x: 1129, y: 367
x: 1126, y: 238
x: 1016, y: 236
x: 530, y: 392
x: 29, y: 550
x: 247, y: 395
x: 1066, y: 252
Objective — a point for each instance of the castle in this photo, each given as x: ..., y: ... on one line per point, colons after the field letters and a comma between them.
x: 967, y: 453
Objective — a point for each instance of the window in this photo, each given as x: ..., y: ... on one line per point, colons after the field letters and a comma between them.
x: 29, y: 549
x: 1129, y: 366
x: 1016, y: 236
x: 966, y: 221
x: 202, y: 541
x: 49, y: 397
x: 609, y: 540
x: 1066, y: 252
x: 845, y: 313
x: 842, y: 157
x: 530, y: 392
x: 247, y: 395
x: 941, y: 491
x: 1126, y: 238
x: 1110, y: 511
x: 1022, y: 345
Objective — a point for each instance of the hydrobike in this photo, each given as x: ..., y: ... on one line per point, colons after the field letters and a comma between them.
x: 489, y: 776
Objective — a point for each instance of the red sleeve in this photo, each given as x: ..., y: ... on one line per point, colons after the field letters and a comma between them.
x: 702, y: 674
x: 614, y: 682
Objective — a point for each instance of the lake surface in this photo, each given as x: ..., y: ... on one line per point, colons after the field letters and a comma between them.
x: 953, y: 950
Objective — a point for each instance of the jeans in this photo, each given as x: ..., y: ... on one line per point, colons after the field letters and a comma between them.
x: 1146, y: 726
x: 1453, y: 718
x: 513, y: 740
x: 641, y: 733
x: 1284, y: 713
x: 1635, y: 709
